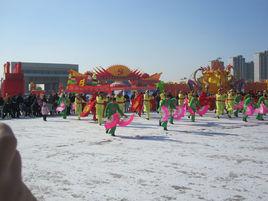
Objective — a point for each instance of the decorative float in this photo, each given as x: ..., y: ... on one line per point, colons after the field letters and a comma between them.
x: 116, y: 77
x: 212, y: 78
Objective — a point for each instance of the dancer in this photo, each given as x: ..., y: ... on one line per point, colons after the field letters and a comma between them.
x: 63, y: 104
x: 111, y: 109
x: 164, y: 104
x: 100, y: 101
x: 181, y: 98
x: 146, y: 104
x: 247, y: 103
x: 220, y: 102
x: 78, y: 105
x: 237, y: 100
x: 262, y: 100
x: 230, y: 103
x: 120, y: 99
x: 137, y: 103
x: 162, y: 98
x: 171, y: 107
x: 193, y: 104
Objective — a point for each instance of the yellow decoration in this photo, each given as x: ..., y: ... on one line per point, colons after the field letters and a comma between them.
x: 119, y: 70
x: 214, y: 78
x: 82, y: 82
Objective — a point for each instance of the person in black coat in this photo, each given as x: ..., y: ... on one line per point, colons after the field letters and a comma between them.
x: 7, y: 108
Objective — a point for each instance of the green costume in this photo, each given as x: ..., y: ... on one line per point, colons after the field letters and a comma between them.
x: 194, y: 103
x: 237, y: 100
x: 66, y: 101
x: 111, y: 109
x: 260, y: 101
x: 247, y: 102
x: 163, y: 102
x: 171, y: 108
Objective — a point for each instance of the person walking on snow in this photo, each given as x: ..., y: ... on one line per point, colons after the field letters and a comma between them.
x: 44, y: 109
x: 100, y: 101
x: 193, y: 104
x: 247, y: 101
x: 220, y: 103
x: 230, y: 103
x: 78, y: 105
x: 112, y: 108
x: 171, y: 107
x: 181, y: 98
x: 120, y: 99
x: 146, y: 104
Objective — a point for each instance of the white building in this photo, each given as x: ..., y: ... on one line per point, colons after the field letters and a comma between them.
x: 261, y: 66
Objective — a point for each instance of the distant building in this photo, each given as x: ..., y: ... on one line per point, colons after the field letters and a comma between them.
x: 48, y: 74
x: 261, y: 66
x: 248, y: 71
x: 242, y: 69
x: 238, y: 63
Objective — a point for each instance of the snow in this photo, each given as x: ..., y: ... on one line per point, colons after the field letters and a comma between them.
x: 210, y: 159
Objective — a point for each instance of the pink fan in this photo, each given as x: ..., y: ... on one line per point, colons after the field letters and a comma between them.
x: 239, y: 106
x: 186, y: 101
x: 165, y: 112
x: 250, y: 110
x: 262, y: 109
x: 179, y: 112
x: 124, y: 123
x: 191, y: 111
x: 203, y: 110
x: 61, y: 107
x: 113, y: 122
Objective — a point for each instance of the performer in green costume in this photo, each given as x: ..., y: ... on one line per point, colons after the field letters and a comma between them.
x: 64, y: 99
x: 262, y: 99
x: 112, y: 108
x: 247, y: 102
x: 171, y: 107
x: 194, y: 103
x: 237, y: 100
x: 163, y: 102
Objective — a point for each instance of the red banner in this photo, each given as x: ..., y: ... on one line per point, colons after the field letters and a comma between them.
x: 105, y: 88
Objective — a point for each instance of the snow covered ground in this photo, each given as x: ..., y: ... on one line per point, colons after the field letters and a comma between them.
x: 211, y: 159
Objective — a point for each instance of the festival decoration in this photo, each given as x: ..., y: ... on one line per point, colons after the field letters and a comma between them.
x: 116, y: 77
x: 212, y: 78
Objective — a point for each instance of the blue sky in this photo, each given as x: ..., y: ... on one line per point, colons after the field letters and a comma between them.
x: 170, y: 36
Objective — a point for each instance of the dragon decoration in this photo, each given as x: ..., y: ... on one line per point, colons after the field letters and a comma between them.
x: 115, y: 77
x: 214, y: 78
